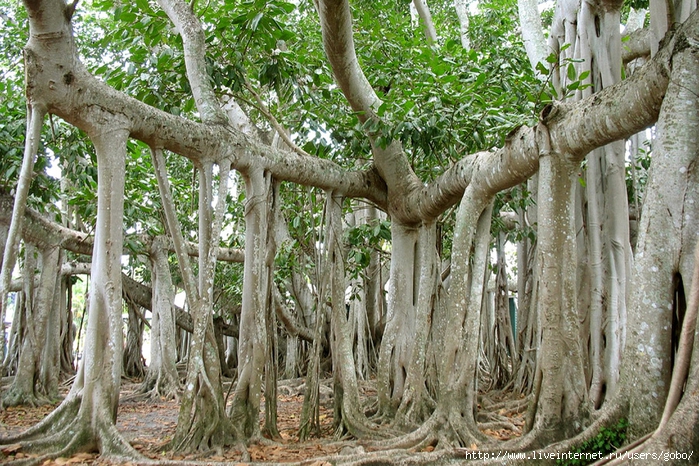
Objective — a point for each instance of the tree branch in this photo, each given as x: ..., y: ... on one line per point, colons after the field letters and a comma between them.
x: 182, y: 16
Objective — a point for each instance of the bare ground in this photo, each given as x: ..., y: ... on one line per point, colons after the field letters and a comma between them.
x: 149, y: 424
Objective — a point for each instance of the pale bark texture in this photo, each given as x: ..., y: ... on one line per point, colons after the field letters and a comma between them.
x: 423, y: 10
x: 429, y: 360
x: 86, y: 418
x: 202, y: 423
x: 133, y: 362
x: 36, y: 112
x: 396, y: 347
x: 461, y: 7
x: 416, y: 403
x: 560, y: 398
x: 161, y: 378
x: 528, y: 335
x: 28, y: 387
x: 259, y: 256
x: 348, y: 415
x: 666, y: 232
x: 532, y: 31
x: 604, y: 249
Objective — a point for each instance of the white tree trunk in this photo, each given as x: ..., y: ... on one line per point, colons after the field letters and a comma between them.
x: 532, y: 31
x: 560, y: 398
x: 423, y: 10
x: 202, y: 419
x: 35, y: 120
x: 253, y: 328
x: 162, y: 379
x: 667, y: 229
x: 461, y: 7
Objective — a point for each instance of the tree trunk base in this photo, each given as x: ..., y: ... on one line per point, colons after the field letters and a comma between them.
x: 68, y: 430
x: 208, y: 427
x: 160, y: 386
x: 18, y: 397
x: 443, y: 430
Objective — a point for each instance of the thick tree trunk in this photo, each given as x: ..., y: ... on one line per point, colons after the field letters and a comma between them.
x: 400, y: 319
x: 26, y: 387
x: 202, y: 422
x: 50, y: 366
x: 667, y: 229
x: 259, y: 256
x: 453, y: 421
x: 134, y: 364
x: 86, y: 418
x: 416, y: 404
x: 161, y: 378
x: 604, y: 250
x: 560, y: 401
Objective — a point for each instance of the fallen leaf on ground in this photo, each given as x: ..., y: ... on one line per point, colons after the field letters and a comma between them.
x: 11, y: 448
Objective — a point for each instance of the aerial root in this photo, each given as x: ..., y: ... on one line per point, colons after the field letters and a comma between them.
x: 63, y: 434
x: 506, y: 407
x: 500, y: 425
x: 114, y: 445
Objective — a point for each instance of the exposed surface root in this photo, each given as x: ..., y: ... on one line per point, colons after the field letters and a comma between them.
x: 66, y: 432
x: 443, y: 431
x: 59, y: 419
x: 16, y: 397
x: 159, y: 386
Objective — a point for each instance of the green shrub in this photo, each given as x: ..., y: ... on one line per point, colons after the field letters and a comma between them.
x: 605, y: 442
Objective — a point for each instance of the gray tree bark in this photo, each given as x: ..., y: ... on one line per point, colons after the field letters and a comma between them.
x: 162, y: 379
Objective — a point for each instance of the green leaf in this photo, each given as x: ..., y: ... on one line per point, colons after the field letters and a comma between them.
x: 255, y: 21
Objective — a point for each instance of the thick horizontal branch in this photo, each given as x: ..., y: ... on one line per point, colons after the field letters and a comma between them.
x: 142, y: 295
x: 635, y: 45
x: 42, y: 232
x: 58, y: 80
x: 575, y: 129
